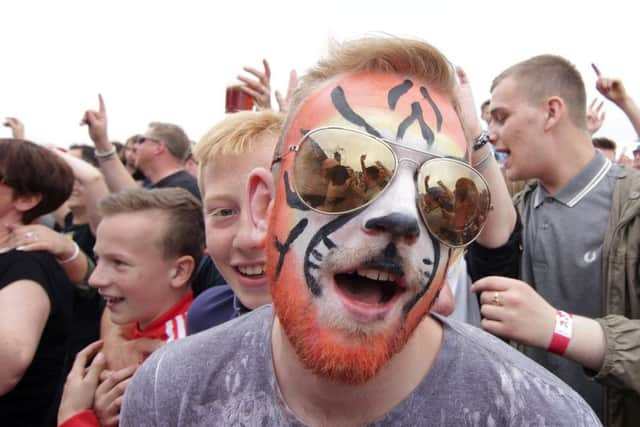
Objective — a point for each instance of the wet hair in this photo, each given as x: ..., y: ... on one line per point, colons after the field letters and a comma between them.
x: 30, y: 169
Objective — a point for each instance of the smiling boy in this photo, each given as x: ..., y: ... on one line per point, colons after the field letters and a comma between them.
x: 148, y: 244
x: 226, y: 155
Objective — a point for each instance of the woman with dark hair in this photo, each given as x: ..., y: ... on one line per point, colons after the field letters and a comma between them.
x: 36, y: 297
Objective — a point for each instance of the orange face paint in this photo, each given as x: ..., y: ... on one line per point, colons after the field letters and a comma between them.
x: 309, y: 253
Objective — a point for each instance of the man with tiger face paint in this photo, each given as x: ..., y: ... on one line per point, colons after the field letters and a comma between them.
x: 351, y: 288
x: 354, y: 271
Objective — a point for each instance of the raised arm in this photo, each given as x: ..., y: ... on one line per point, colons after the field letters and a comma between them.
x: 115, y: 173
x: 614, y: 91
x: 17, y: 128
x: 502, y: 218
x: 94, y: 184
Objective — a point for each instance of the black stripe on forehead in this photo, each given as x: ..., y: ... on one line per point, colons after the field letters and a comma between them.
x: 434, y: 107
x: 416, y: 115
x: 339, y: 100
x: 397, y: 91
x: 343, y: 107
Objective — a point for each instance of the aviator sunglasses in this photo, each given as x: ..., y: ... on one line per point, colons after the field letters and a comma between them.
x: 338, y: 170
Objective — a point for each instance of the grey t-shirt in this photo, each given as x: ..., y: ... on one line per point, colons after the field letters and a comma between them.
x: 224, y: 377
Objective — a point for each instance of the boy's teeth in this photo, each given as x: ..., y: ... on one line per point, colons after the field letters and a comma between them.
x: 374, y: 274
x: 252, y: 271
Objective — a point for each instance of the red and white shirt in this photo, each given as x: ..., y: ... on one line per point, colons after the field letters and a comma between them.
x: 172, y: 325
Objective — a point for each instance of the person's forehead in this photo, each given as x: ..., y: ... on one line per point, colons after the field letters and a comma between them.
x: 508, y: 90
x: 395, y: 106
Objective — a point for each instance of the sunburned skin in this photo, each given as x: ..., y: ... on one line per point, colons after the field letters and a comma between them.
x: 350, y: 289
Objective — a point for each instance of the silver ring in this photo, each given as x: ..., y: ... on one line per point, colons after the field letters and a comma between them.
x: 30, y: 235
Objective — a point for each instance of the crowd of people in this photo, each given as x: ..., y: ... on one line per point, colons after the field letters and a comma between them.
x: 369, y: 254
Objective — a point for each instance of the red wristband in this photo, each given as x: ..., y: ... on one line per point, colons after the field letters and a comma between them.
x: 562, y: 333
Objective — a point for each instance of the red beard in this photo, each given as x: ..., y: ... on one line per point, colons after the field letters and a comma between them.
x: 329, y: 352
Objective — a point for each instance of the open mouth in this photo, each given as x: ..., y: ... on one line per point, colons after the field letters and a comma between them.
x: 112, y: 300
x: 369, y: 286
x: 252, y: 272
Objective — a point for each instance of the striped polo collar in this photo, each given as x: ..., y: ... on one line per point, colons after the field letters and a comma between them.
x: 588, y: 178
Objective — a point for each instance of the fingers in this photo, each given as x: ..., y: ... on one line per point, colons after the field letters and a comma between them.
x: 110, y: 393
x: 262, y: 77
x: 113, y: 385
x: 252, y: 87
x: 493, y: 283
x: 102, y: 108
x: 280, y: 100
x: 97, y: 366
x: 293, y: 83
x: 83, y: 356
x: 267, y: 69
x: 462, y: 75
x: 85, y: 119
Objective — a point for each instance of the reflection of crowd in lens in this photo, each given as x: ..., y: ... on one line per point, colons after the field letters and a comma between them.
x: 455, y: 215
x: 346, y: 188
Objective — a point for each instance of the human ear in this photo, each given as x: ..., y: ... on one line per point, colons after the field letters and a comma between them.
x: 555, y: 109
x: 181, y: 272
x: 27, y: 202
x: 260, y: 189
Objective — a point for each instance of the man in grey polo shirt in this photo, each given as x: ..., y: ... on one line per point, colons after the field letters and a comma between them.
x: 577, y: 244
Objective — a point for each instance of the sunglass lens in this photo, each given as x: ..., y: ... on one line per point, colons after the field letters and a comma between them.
x: 337, y: 170
x: 453, y: 199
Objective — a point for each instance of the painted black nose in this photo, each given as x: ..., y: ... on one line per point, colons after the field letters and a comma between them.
x: 396, y: 224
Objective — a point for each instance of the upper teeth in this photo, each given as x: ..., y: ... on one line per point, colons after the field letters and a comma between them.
x: 374, y: 274
x: 252, y: 271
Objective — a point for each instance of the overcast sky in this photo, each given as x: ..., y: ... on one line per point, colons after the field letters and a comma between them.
x: 170, y: 61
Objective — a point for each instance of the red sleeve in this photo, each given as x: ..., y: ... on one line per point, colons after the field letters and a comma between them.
x: 86, y: 418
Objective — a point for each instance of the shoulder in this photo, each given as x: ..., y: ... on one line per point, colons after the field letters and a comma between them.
x: 212, y: 345
x: 221, y: 366
x: 40, y: 267
x: 181, y: 179
x: 211, y: 308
